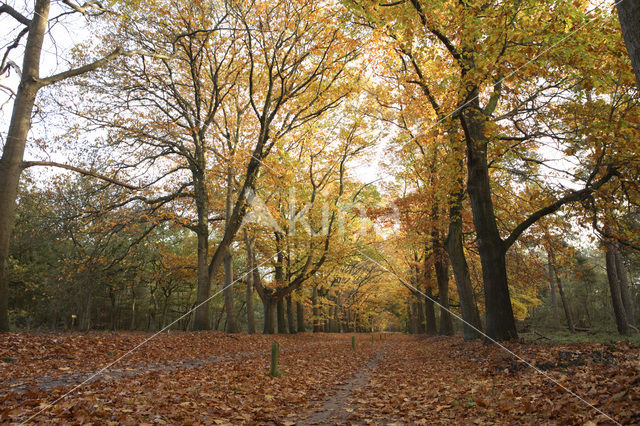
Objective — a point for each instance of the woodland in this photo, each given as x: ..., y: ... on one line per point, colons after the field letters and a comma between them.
x: 320, y: 212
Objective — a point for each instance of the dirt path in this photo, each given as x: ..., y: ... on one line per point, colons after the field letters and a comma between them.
x: 338, y: 408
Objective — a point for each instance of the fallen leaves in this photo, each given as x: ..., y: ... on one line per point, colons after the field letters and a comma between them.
x: 212, y: 379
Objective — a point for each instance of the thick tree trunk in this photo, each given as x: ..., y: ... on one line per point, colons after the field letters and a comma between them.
x: 430, y: 312
x: 625, y: 292
x: 442, y: 276
x: 614, y: 288
x: 455, y: 250
x: 300, y: 317
x: 291, y: 321
x: 202, y: 320
x: 229, y: 303
x: 282, y: 322
x: 15, y: 142
x: 316, y: 311
x: 269, y: 305
x: 411, y: 317
x: 500, y: 322
x: 251, y: 323
x: 629, y: 16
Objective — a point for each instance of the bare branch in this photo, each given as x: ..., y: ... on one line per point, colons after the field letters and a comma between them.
x: 27, y: 164
x: 5, y: 8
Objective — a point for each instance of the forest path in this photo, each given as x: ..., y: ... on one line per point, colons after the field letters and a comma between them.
x: 338, y: 408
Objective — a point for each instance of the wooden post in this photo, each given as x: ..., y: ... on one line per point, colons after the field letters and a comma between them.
x: 353, y: 342
x: 275, y: 353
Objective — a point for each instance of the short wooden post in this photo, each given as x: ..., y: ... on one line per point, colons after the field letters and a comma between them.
x: 275, y: 353
x: 353, y: 342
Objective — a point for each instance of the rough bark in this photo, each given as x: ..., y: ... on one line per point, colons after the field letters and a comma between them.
x: 251, y: 323
x: 629, y: 17
x: 430, y: 312
x: 420, y: 313
x: 316, y: 311
x: 269, y: 305
x: 300, y: 317
x: 282, y: 322
x: 614, y: 288
x: 13, y: 152
x: 411, y: 316
x: 625, y: 292
x: 291, y: 321
x: 229, y: 303
x: 455, y: 250
x: 500, y: 322
x: 442, y: 276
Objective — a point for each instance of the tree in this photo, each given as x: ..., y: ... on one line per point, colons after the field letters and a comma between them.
x: 11, y: 163
x: 629, y: 16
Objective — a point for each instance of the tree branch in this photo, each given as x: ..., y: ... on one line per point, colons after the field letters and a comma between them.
x: 27, y: 164
x: 573, y: 196
x: 97, y: 64
x: 5, y: 8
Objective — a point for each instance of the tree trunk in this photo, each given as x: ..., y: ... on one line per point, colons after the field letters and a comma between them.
x: 251, y: 324
x: 411, y: 317
x: 629, y: 16
x: 455, y: 250
x: 269, y: 305
x: 442, y: 276
x: 300, y: 317
x: 500, y: 322
x: 316, y: 311
x: 552, y: 289
x: 15, y: 142
x: 625, y: 293
x: 291, y: 321
x: 229, y: 303
x: 430, y: 312
x: 563, y: 298
x: 420, y: 316
x: 614, y: 287
x: 202, y: 320
x: 282, y: 322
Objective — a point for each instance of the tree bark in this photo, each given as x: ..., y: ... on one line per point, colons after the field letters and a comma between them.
x: 500, y: 322
x: 316, y: 311
x: 629, y: 17
x: 442, y: 276
x: 13, y: 151
x: 614, y: 288
x: 552, y: 289
x: 455, y: 250
x: 430, y: 313
x: 269, y: 305
x: 300, y: 317
x: 291, y: 321
x: 229, y: 303
x: 282, y: 322
x: 420, y: 314
x: 202, y: 320
x: 251, y: 324
x: 625, y: 292
x: 411, y: 321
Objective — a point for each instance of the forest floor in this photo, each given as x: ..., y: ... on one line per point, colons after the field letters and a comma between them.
x: 213, y: 378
